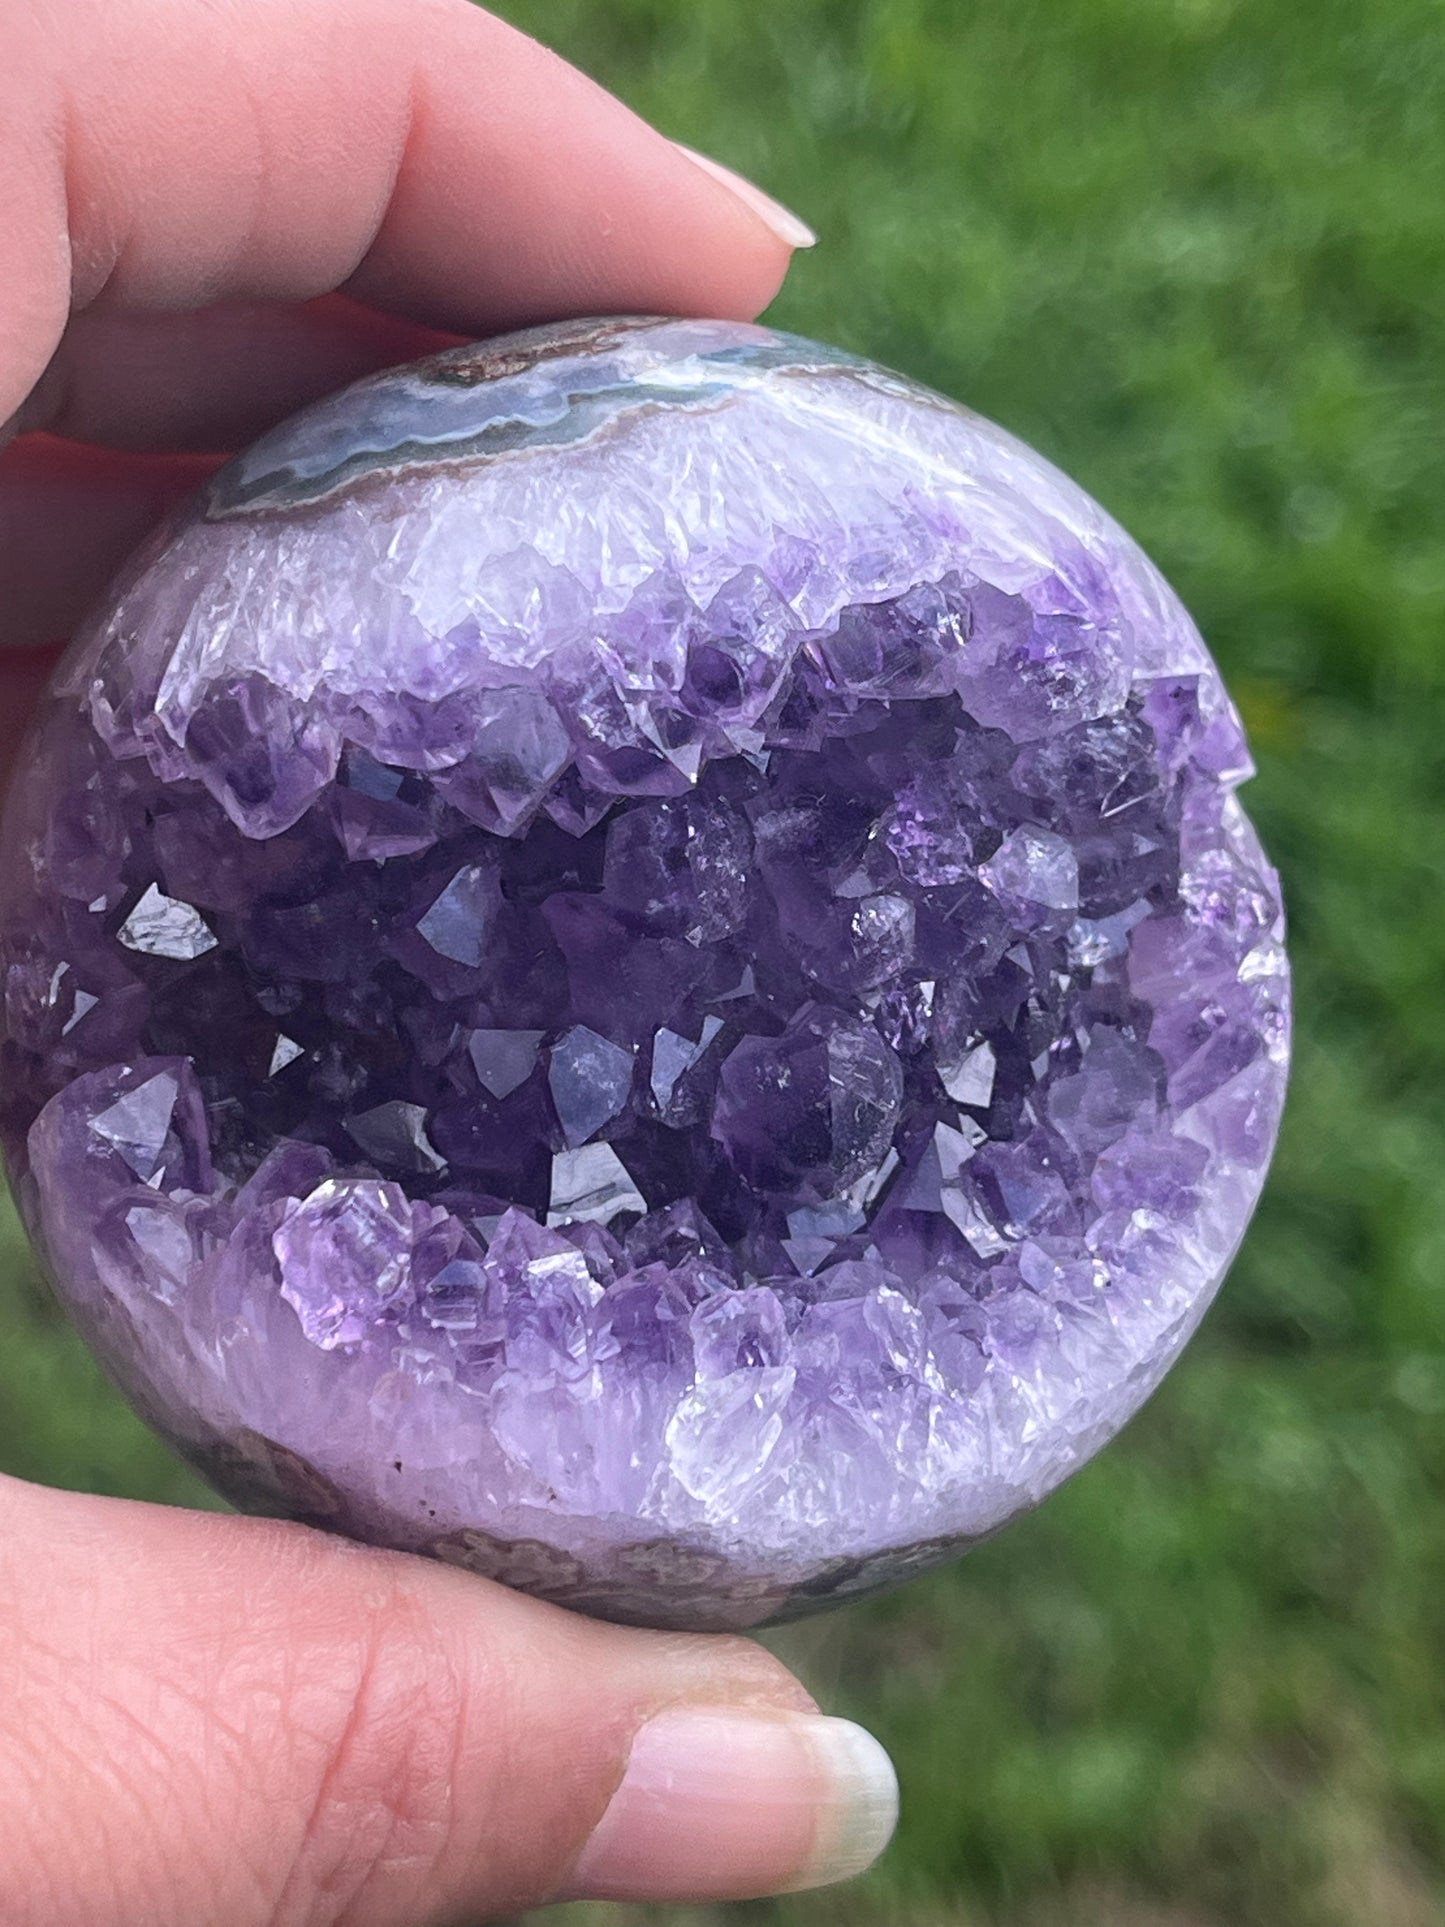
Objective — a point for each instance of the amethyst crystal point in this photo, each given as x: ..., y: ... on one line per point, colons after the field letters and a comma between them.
x: 630, y: 959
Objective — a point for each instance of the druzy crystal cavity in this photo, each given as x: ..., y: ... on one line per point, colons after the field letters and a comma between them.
x: 630, y: 960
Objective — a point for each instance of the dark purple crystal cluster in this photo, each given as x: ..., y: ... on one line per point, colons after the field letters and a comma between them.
x: 629, y: 959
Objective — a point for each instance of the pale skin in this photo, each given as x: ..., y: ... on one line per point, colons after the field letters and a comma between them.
x: 215, y: 210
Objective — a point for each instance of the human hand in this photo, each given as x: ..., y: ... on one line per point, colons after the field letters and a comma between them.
x: 214, y: 212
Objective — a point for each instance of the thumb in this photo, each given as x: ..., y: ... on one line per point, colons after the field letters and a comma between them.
x: 250, y: 1724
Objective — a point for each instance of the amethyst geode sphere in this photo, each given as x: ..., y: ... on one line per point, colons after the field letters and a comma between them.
x: 629, y: 959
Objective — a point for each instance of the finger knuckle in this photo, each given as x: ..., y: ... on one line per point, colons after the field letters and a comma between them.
x: 381, y: 1816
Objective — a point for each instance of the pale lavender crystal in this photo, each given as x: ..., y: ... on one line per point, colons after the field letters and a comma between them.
x: 503, y: 1059
x: 590, y: 1079
x: 629, y: 959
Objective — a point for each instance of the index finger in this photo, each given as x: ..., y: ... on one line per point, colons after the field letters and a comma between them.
x: 162, y: 155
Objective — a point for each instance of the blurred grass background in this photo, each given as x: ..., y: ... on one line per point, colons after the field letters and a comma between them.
x: 1193, y: 250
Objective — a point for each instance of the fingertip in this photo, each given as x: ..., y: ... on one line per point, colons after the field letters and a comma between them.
x: 779, y: 220
x: 593, y: 210
x: 858, y: 1815
x: 734, y: 244
x: 725, y: 1803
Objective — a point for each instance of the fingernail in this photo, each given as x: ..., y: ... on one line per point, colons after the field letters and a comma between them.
x: 781, y: 220
x: 717, y: 1804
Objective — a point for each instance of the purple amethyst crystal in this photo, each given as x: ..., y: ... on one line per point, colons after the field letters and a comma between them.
x: 629, y: 959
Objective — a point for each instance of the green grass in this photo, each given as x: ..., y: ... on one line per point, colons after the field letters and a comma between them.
x: 1195, y: 251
